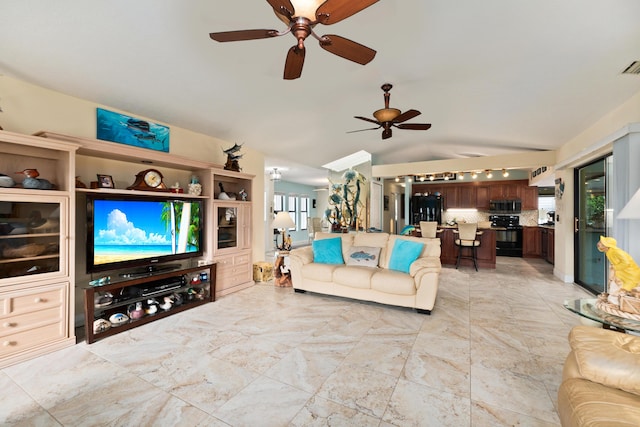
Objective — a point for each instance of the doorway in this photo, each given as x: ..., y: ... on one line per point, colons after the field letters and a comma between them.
x: 591, y: 205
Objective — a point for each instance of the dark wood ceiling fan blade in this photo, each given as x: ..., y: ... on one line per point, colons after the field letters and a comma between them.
x: 282, y: 6
x: 235, y: 36
x: 295, y: 61
x: 332, y: 11
x: 407, y: 115
x: 366, y: 119
x: 386, y: 134
x: 414, y: 126
x: 347, y: 49
x: 362, y: 130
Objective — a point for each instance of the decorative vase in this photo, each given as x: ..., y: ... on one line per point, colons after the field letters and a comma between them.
x: 195, y: 189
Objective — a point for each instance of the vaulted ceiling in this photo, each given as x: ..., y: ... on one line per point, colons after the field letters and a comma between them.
x: 492, y: 76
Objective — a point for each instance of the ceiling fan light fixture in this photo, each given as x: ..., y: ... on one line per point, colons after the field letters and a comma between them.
x: 505, y: 173
x: 488, y: 173
x: 474, y: 175
x: 461, y: 176
x: 386, y: 114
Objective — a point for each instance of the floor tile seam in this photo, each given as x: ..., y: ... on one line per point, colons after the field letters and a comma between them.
x: 482, y: 403
x: 33, y: 399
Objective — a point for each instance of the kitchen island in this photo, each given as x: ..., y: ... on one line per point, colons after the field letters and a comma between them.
x: 486, y: 255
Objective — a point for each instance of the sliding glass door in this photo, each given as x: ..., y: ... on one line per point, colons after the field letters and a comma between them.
x: 591, y: 222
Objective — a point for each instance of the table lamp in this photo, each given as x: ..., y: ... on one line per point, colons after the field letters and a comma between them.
x: 632, y: 208
x: 283, y: 221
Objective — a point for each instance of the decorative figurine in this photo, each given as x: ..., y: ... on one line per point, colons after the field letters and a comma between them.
x: 232, y: 158
x: 166, y: 305
x: 624, y: 273
x: 243, y: 195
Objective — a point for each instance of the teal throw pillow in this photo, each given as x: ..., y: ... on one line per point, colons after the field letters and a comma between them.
x: 403, y: 254
x: 327, y: 251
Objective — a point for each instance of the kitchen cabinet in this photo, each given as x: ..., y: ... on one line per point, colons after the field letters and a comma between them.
x: 531, y: 242
x: 482, y: 197
x: 465, y: 195
x: 529, y: 198
x: 547, y: 244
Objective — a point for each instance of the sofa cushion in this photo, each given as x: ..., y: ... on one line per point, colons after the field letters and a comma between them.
x: 403, y: 254
x: 354, y: 277
x: 328, y: 251
x: 376, y: 240
x: 319, y: 272
x: 393, y: 282
x: 347, y: 240
x: 363, y: 256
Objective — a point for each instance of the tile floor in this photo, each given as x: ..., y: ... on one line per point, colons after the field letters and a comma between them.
x: 490, y: 354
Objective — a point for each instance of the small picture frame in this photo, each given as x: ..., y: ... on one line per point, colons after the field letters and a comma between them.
x: 105, y: 181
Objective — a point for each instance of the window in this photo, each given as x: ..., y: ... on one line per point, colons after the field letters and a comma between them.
x: 293, y: 209
x: 304, y: 212
x: 278, y: 203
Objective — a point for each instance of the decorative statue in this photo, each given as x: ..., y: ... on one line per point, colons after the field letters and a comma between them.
x: 624, y: 273
x: 346, y: 207
x: 232, y: 158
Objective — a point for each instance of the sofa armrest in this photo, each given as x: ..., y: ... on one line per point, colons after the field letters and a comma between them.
x: 606, y: 357
x: 422, y: 266
x: 303, y: 255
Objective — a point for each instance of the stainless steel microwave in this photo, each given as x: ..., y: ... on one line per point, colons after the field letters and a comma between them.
x: 505, y: 206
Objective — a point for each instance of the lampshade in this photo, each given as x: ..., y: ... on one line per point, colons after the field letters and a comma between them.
x: 283, y: 220
x: 632, y: 209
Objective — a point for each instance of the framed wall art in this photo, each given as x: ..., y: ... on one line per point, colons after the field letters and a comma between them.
x: 116, y: 127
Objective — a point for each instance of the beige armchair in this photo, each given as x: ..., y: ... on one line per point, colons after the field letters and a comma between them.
x: 601, y: 379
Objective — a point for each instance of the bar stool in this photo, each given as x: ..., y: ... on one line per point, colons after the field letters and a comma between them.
x: 429, y: 229
x: 468, y: 239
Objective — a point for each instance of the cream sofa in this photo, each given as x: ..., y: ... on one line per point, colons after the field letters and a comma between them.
x: 601, y: 379
x: 415, y: 289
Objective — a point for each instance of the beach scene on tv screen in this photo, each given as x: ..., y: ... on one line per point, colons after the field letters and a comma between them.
x: 127, y: 230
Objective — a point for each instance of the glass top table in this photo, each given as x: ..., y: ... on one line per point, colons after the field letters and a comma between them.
x: 586, y: 307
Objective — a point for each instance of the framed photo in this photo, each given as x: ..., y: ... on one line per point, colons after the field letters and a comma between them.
x: 105, y: 181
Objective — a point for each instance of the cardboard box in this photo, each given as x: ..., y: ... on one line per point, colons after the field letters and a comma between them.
x: 262, y: 271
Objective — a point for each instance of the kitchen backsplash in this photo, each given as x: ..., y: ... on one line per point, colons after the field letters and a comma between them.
x: 529, y: 218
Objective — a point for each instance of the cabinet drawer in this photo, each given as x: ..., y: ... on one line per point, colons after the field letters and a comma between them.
x: 21, y: 341
x: 31, y: 300
x: 33, y: 320
x: 232, y: 261
x: 18, y: 302
x: 231, y: 278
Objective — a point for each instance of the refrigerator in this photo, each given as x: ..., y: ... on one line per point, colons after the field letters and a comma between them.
x: 426, y: 208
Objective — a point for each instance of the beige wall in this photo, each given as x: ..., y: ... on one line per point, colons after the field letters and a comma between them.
x: 28, y: 108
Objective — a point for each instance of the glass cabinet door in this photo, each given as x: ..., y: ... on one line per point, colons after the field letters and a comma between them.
x: 31, y: 236
x: 227, y: 227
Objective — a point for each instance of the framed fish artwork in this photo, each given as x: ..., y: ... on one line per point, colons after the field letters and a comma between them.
x: 116, y: 127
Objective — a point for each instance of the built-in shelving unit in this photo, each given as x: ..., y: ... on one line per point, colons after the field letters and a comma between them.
x: 36, y: 258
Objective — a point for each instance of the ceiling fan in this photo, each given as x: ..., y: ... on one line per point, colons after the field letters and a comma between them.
x: 387, y: 118
x: 300, y: 22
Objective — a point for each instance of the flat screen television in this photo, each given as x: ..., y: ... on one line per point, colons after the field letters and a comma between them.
x: 132, y: 231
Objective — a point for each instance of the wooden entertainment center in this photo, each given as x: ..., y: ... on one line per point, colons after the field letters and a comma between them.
x: 42, y: 273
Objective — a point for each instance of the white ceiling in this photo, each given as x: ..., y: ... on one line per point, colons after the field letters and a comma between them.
x: 491, y: 76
